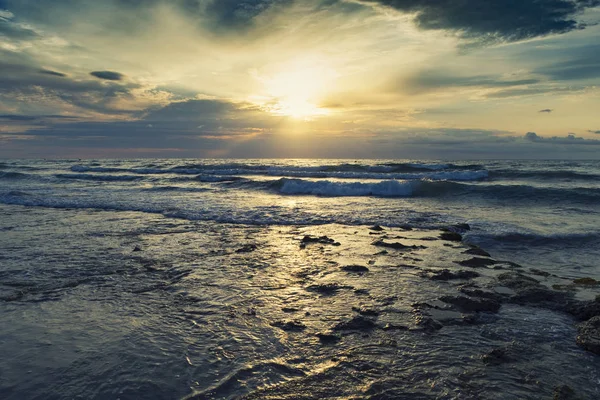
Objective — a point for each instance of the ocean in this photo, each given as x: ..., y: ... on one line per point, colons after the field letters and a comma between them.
x: 186, y: 278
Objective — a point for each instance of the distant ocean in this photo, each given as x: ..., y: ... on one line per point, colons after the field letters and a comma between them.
x: 544, y: 214
x: 298, y: 279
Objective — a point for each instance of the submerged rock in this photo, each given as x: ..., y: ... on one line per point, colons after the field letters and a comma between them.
x: 428, y: 324
x: 477, y: 262
x: 137, y: 248
x: 355, y: 268
x: 451, y: 236
x: 328, y: 338
x: 472, y: 305
x: 476, y: 251
x: 589, y: 335
x: 376, y: 228
x: 496, y: 357
x: 395, y: 245
x: 446, y: 275
x: 564, y: 392
x: 586, y: 282
x: 289, y: 326
x: 326, y: 288
x: 321, y: 239
x: 358, y: 323
x: 247, y: 248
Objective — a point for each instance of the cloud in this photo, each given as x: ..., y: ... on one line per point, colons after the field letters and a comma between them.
x: 53, y: 73
x: 596, y: 132
x: 504, y: 20
x: 546, y: 110
x: 108, y: 75
x: 12, y: 30
x: 570, y: 139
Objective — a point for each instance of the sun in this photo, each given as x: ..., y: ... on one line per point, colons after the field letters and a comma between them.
x: 296, y: 88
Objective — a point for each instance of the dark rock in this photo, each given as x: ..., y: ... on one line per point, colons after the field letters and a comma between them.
x: 477, y: 262
x: 358, y: 323
x: 289, y: 326
x: 366, y: 311
x: 247, y: 248
x: 515, y: 280
x: 539, y: 272
x: 476, y: 251
x: 328, y: 338
x: 137, y: 248
x: 361, y: 292
x: 446, y: 275
x: 583, y: 310
x: 588, y: 336
x: 391, y: 327
x: 496, y: 357
x: 451, y: 236
x: 428, y: 324
x: 395, y: 245
x: 472, y: 305
x: 539, y: 294
x: 326, y: 288
x: 290, y: 309
x: 480, y: 293
x: 355, y: 268
x: 464, y: 227
x: 586, y: 281
x: 376, y: 228
x: 563, y: 392
x: 321, y: 239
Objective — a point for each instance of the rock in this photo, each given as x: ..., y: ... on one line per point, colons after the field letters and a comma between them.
x: 588, y: 336
x: 137, y: 248
x: 328, y: 338
x: 376, y: 228
x: 290, y: 309
x: 563, y: 392
x: 496, y: 357
x: 586, y: 281
x: 583, y: 310
x: 428, y: 324
x: 446, y: 275
x: 366, y: 311
x: 358, y: 323
x: 247, y: 248
x: 321, y: 239
x: 476, y: 251
x: 515, y: 280
x: 539, y: 272
x: 480, y: 293
x: 391, y: 327
x: 395, y: 245
x: 289, y: 326
x: 451, y: 236
x: 477, y: 262
x: 472, y: 305
x: 355, y: 268
x: 463, y: 226
x: 326, y: 288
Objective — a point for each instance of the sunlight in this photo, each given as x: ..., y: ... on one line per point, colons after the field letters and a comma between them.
x: 297, y: 87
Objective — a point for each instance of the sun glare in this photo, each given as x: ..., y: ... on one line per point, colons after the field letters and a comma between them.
x: 297, y: 87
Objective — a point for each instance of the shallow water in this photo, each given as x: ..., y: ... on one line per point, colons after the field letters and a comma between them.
x: 195, y: 314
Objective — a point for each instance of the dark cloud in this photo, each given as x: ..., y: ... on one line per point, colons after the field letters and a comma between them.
x: 108, y: 75
x: 596, y: 132
x: 546, y: 110
x: 434, y: 79
x: 570, y: 139
x: 53, y: 73
x: 12, y: 30
x: 505, y: 20
x: 583, y: 63
x: 18, y: 117
x: 532, y: 91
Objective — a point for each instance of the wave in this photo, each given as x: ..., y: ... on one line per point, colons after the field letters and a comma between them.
x: 390, y: 188
x: 544, y: 174
x: 15, y: 175
x: 564, y: 240
x: 103, y: 178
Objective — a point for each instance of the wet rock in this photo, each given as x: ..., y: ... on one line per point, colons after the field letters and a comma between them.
x: 564, y: 392
x: 361, y: 292
x: 395, y: 245
x: 477, y: 262
x: 586, y: 282
x: 428, y: 324
x: 321, y: 239
x: 474, y: 292
x: 583, y: 310
x: 476, y: 251
x: 137, y: 248
x: 289, y: 326
x: 588, y: 335
x: 496, y: 357
x: 326, y: 288
x: 290, y: 309
x: 355, y: 268
x: 446, y: 275
x: 376, y: 228
x: 366, y: 311
x: 463, y: 226
x: 328, y: 338
x: 539, y: 272
x: 451, y: 236
x: 247, y: 248
x: 472, y: 305
x: 358, y: 323
x: 392, y: 327
x: 515, y: 280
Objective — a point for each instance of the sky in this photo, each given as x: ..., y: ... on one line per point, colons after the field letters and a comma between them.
x: 437, y: 79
